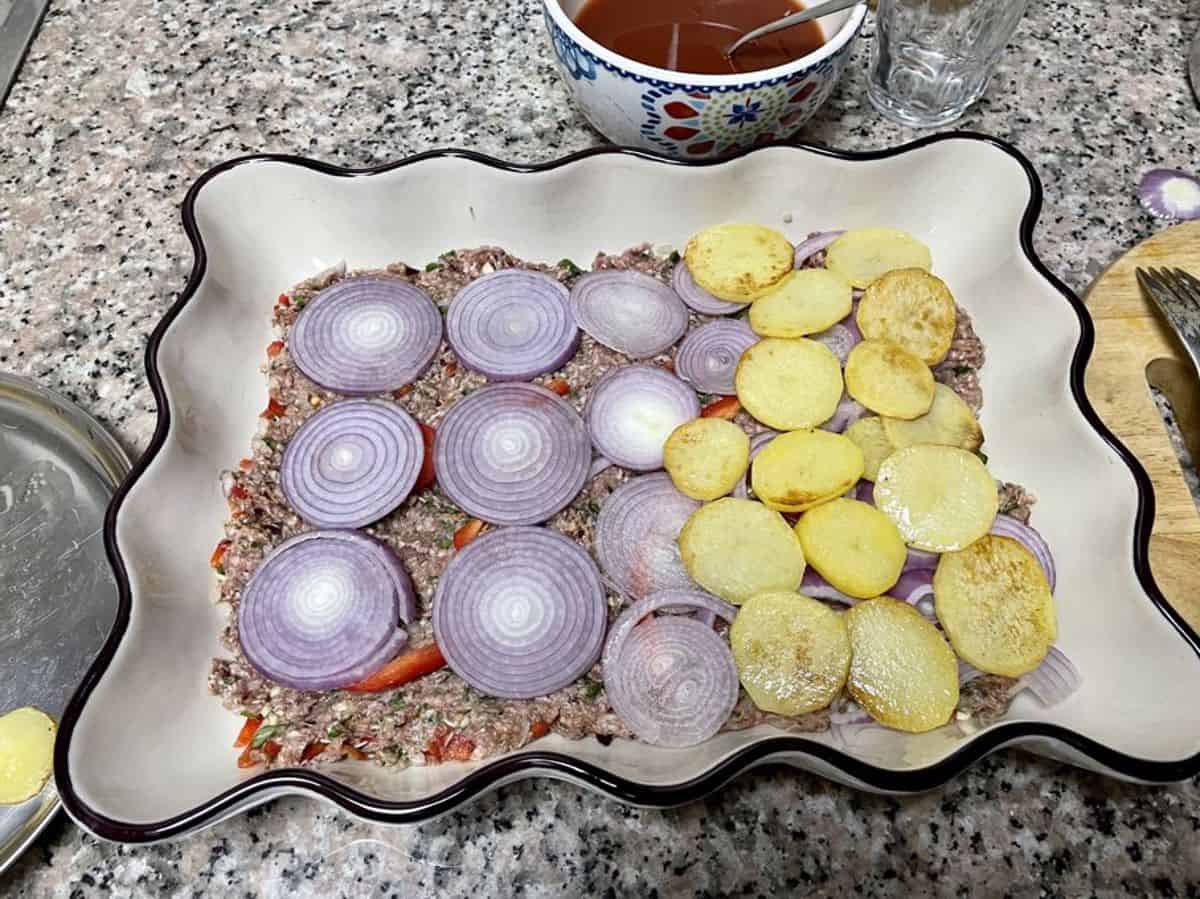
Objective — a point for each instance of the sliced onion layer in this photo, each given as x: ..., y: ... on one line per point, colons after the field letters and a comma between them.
x: 366, y: 335
x: 757, y: 442
x: 840, y: 339
x: 708, y: 357
x: 1007, y: 526
x: 864, y: 492
x: 918, y: 558
x: 512, y: 453
x: 512, y: 325
x: 324, y: 610
x: 352, y: 463
x: 813, y: 244
x: 848, y: 411
x: 1170, y: 194
x: 629, y: 312
x: 520, y: 613
x: 816, y: 587
x: 913, y: 586
x: 633, y: 410
x: 636, y: 534
x: 1053, y: 680
x: 697, y: 297
x: 672, y: 680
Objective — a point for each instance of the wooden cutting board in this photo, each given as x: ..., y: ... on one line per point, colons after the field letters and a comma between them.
x: 1134, y: 349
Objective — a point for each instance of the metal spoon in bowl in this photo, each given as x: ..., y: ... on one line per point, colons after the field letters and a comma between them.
x: 791, y: 19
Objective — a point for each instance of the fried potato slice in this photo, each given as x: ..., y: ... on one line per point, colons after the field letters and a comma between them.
x: 789, y: 384
x: 902, y: 671
x: 949, y: 422
x: 804, y: 302
x: 26, y: 753
x: 792, y: 652
x: 802, y: 469
x: 942, y: 498
x: 862, y: 255
x: 868, y: 435
x: 912, y: 308
x: 738, y: 262
x: 854, y: 546
x: 706, y: 457
x: 737, y: 548
x: 995, y: 604
x: 888, y: 379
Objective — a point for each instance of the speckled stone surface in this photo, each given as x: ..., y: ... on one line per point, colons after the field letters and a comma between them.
x: 123, y: 103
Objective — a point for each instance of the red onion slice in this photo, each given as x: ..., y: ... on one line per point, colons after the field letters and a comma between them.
x: 864, y: 492
x: 708, y: 357
x: 848, y: 411
x: 913, y: 586
x: 633, y: 410
x: 967, y: 673
x: 1170, y: 194
x: 352, y: 463
x: 842, y: 337
x: 520, y: 612
x: 697, y: 297
x: 815, y: 243
x: 366, y: 335
x: 512, y: 325
x: 636, y: 533
x: 1053, y: 680
x: 918, y: 558
x: 1007, y: 526
x: 629, y: 312
x: 757, y: 442
x: 816, y: 587
x: 323, y: 610
x: 512, y: 453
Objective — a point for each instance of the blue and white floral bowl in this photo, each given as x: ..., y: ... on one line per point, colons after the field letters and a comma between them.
x: 695, y: 116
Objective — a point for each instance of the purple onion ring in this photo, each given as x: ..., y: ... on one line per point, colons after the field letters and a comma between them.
x: 1007, y: 526
x: 709, y: 355
x: 633, y: 410
x: 697, y: 297
x: 629, y: 312
x: 812, y: 245
x: 757, y: 442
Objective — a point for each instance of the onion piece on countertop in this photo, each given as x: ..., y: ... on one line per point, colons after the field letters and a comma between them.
x: 366, y: 335
x: 352, y: 463
x: 815, y: 586
x: 1053, y: 680
x: 636, y: 531
x: 323, y: 610
x: 1170, y: 194
x: 1007, y: 526
x: 671, y: 679
x: 512, y: 453
x: 633, y: 410
x: 814, y: 244
x: 757, y: 442
x: 708, y: 356
x: 520, y: 612
x: 512, y: 325
x: 697, y: 297
x: 629, y: 312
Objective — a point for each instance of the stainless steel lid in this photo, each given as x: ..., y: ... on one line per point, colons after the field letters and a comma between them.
x: 58, y: 469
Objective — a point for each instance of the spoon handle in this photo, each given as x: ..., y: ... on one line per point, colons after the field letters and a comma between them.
x: 796, y: 18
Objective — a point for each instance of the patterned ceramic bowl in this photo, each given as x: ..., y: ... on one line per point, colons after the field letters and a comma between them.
x: 695, y: 116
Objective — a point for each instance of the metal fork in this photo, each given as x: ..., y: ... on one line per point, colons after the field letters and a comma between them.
x: 1177, y: 295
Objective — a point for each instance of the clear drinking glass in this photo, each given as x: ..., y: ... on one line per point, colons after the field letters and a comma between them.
x: 931, y: 59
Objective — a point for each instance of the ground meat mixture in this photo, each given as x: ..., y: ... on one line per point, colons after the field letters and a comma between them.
x: 438, y: 717
x: 986, y: 698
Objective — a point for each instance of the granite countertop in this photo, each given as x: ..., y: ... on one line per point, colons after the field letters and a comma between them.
x: 123, y: 103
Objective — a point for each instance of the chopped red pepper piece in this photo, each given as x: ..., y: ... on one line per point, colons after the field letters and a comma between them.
x: 247, y: 759
x: 450, y: 369
x: 354, y: 752
x: 274, y: 348
x: 405, y: 667
x: 238, y: 492
x: 283, y: 300
x: 312, y: 750
x: 274, y: 409
x: 437, y: 743
x: 467, y: 533
x: 217, y: 559
x: 458, y: 748
x: 246, y: 734
x: 726, y: 407
x: 272, y: 749
x: 559, y: 386
x: 402, y: 392
x: 538, y: 729
x: 427, y: 476
x: 246, y: 465
x: 667, y: 365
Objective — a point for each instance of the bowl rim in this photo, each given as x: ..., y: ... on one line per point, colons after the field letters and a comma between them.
x: 492, y: 774
x: 740, y: 81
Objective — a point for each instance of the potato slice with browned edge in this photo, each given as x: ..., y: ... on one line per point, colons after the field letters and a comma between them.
x: 805, y: 302
x: 792, y: 652
x: 913, y: 308
x: 706, y: 457
x: 902, y: 671
x: 942, y: 498
x: 862, y: 255
x: 888, y: 379
x: 737, y: 262
x: 789, y: 384
x: 949, y: 422
x: 26, y: 753
x: 802, y: 469
x: 870, y: 437
x: 994, y: 602
x: 854, y: 546
x: 737, y: 548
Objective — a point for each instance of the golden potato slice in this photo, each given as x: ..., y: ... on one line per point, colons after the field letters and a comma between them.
x: 949, y: 422
x: 737, y: 548
x: 869, y: 436
x: 913, y: 308
x: 789, y: 384
x: 804, y: 302
x: 942, y: 498
x: 738, y: 263
x: 888, y: 379
x: 862, y: 255
x: 902, y: 671
x: 802, y: 469
x: 994, y: 602
x: 26, y: 753
x: 792, y: 652
x: 852, y: 545
x: 706, y: 457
